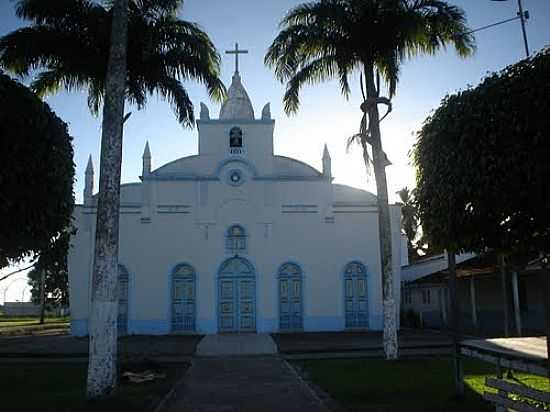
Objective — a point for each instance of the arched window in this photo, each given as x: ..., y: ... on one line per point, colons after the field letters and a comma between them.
x: 236, y: 137
x: 235, y: 241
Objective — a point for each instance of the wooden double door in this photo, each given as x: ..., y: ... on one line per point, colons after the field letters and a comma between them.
x: 237, y: 296
x: 356, y: 296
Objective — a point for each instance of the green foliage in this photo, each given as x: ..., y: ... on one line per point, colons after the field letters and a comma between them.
x: 53, y: 262
x: 482, y: 163
x: 36, y: 182
x: 329, y: 39
x: 68, y: 43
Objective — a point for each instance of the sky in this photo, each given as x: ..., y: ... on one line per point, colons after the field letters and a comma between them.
x: 324, y: 116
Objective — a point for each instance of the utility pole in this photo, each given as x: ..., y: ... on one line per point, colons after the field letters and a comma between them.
x: 523, y: 16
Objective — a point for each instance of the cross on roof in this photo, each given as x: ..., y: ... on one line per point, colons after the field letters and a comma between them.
x: 236, y: 52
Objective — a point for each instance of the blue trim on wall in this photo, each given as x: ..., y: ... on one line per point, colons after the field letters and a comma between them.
x: 79, y: 327
x: 376, y: 321
x: 267, y: 325
x: 324, y: 323
x: 207, y: 326
x: 149, y: 327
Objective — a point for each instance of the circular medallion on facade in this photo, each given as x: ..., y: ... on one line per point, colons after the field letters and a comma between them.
x: 235, y: 177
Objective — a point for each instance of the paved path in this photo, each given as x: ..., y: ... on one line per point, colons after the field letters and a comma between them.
x: 237, y: 344
x: 243, y: 384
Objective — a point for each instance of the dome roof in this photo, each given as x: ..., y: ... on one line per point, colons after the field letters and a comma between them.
x: 237, y: 105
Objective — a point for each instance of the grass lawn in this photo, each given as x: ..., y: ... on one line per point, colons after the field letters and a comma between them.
x: 7, y: 321
x: 30, y: 325
x: 61, y: 388
x: 405, y: 385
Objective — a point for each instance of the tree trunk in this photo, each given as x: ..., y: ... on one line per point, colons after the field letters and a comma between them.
x: 103, y: 315
x: 42, y: 295
x: 384, y: 228
x: 455, y: 316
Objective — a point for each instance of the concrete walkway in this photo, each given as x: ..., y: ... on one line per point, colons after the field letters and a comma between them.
x: 236, y: 345
x: 243, y: 384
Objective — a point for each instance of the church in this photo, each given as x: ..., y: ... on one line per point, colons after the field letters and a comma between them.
x: 238, y: 239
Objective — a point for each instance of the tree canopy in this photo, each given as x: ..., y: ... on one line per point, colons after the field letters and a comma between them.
x: 482, y: 163
x: 36, y: 182
x: 68, y: 44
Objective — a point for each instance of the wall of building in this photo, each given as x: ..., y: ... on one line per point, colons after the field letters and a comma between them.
x: 290, y: 211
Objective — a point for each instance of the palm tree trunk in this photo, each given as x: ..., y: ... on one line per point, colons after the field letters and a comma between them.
x: 384, y: 228
x: 102, y: 368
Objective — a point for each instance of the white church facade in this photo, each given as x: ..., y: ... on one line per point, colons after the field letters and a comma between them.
x: 238, y: 239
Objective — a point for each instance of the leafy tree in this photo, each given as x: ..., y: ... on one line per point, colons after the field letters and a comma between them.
x: 482, y: 167
x: 117, y: 50
x: 328, y: 39
x: 482, y: 164
x: 36, y: 183
x: 52, y: 263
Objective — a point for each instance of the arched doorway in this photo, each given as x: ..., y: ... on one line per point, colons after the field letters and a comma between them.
x: 356, y: 296
x: 236, y: 296
x: 123, y: 282
x: 290, y: 297
x: 183, y: 298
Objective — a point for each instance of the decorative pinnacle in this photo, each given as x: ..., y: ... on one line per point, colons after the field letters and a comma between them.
x: 147, y: 151
x: 325, y: 152
x: 90, y: 166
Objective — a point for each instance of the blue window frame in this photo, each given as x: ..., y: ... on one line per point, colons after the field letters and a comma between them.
x: 235, y: 240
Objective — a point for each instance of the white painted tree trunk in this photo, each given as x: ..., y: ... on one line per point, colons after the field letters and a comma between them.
x: 384, y: 227
x: 102, y: 367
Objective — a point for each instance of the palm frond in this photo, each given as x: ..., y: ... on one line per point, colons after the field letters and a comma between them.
x: 314, y: 72
x: 67, y: 46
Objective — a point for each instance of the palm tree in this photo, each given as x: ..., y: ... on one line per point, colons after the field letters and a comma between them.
x: 122, y: 50
x: 67, y: 46
x: 328, y: 39
x: 409, y: 220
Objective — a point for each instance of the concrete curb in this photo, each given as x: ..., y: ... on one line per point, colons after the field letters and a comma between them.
x: 364, y: 354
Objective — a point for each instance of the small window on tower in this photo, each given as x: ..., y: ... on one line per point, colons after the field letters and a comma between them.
x: 235, y: 241
x: 236, y: 137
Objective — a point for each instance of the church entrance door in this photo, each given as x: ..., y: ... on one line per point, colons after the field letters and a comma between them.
x: 290, y: 298
x: 237, y: 296
x: 356, y: 295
